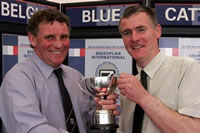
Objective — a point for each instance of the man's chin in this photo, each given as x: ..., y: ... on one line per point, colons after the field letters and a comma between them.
x: 57, y: 64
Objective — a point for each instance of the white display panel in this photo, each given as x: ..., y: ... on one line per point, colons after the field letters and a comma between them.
x: 99, y: 57
x: 181, y: 46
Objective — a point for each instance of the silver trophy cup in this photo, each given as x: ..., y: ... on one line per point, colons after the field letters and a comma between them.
x: 101, y: 87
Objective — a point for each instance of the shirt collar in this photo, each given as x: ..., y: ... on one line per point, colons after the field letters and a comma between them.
x: 151, y: 68
x: 44, y: 68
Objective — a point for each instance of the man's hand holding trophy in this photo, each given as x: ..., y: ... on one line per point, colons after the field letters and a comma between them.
x: 103, y: 90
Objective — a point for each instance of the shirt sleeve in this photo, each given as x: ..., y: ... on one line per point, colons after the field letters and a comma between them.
x: 189, y: 91
x: 20, y: 107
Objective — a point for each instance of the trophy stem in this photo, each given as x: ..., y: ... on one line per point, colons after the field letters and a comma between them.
x: 104, y: 119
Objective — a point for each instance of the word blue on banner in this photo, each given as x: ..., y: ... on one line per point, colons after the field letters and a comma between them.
x: 104, y: 15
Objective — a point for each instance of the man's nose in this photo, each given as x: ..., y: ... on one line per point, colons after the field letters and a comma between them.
x: 57, y: 43
x: 134, y: 36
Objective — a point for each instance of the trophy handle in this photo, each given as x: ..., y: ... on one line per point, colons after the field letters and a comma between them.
x: 87, y: 89
x: 83, y: 89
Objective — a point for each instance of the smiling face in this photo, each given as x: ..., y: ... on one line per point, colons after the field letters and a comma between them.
x: 51, y: 43
x: 140, y: 37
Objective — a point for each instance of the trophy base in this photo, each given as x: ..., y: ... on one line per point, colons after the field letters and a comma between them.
x: 104, y: 126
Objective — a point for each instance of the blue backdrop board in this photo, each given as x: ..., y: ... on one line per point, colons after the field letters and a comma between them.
x: 14, y: 16
x: 16, y: 48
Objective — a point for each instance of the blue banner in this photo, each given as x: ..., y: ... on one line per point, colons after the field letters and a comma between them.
x: 178, y: 14
x: 19, y: 11
x: 101, y: 15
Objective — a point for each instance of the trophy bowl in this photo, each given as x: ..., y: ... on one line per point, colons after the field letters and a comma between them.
x: 101, y: 87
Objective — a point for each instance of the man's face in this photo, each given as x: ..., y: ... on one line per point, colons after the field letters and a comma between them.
x: 51, y: 43
x: 140, y: 37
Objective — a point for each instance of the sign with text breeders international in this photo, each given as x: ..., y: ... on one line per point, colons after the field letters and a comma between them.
x: 15, y: 48
x: 180, y: 46
x: 100, y: 15
x: 178, y: 13
x: 99, y: 57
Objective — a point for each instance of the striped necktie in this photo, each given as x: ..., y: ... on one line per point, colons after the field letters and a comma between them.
x: 70, y: 118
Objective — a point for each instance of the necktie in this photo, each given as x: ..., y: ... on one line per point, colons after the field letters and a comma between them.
x: 139, y: 112
x: 70, y: 118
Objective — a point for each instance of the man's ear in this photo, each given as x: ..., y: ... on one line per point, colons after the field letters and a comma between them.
x: 32, y: 39
x: 158, y: 30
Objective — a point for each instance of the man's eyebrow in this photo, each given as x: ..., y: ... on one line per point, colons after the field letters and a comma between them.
x: 49, y: 35
x: 125, y: 30
x: 140, y: 26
